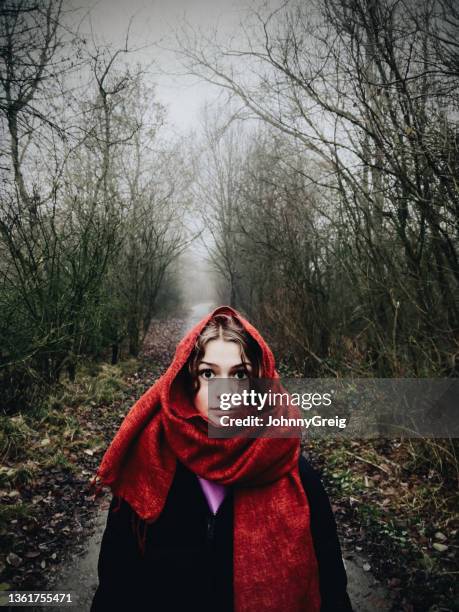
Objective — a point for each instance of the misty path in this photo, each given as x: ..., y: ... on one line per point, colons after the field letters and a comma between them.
x: 80, y: 575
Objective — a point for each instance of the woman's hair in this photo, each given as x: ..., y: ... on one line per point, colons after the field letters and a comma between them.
x: 224, y: 327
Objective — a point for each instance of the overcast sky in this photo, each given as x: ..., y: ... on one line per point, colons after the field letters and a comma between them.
x: 152, y: 23
x: 152, y: 28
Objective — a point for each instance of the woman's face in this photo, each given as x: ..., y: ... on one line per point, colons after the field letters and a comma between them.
x: 221, y: 359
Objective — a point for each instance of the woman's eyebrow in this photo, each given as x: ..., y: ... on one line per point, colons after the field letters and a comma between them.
x: 232, y: 367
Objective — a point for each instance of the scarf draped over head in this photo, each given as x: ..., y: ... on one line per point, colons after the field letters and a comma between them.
x: 275, y: 567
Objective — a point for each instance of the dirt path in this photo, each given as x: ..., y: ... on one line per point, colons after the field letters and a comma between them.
x: 80, y: 574
x: 366, y: 593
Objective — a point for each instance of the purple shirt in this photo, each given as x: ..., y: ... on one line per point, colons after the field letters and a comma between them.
x: 214, y: 492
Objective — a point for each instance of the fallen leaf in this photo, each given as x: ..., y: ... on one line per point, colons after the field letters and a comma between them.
x: 13, y: 559
x: 32, y: 554
x: 8, y: 471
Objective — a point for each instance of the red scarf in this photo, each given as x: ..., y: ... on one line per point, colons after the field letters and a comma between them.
x: 275, y: 567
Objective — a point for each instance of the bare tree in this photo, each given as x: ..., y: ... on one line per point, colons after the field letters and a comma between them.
x: 217, y: 189
x: 87, y: 236
x: 365, y: 88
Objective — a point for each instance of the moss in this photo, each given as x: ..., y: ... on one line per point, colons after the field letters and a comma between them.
x: 129, y: 367
x: 59, y: 460
x: 14, y: 476
x: 15, y: 434
x: 14, y: 511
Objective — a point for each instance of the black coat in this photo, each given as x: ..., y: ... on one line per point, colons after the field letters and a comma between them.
x: 189, y: 553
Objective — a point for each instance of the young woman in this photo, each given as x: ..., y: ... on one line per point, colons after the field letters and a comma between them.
x: 221, y: 525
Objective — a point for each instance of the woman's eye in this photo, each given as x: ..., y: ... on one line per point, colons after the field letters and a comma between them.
x: 207, y: 374
x: 240, y: 375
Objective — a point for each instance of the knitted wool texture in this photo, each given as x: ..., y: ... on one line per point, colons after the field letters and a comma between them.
x: 275, y: 567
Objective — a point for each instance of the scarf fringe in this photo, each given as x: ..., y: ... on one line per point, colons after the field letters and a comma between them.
x: 96, y: 487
